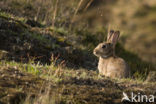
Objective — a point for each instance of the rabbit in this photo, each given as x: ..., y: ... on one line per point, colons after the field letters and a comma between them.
x: 109, y: 64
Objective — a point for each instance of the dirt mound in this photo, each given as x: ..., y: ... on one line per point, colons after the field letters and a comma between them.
x: 15, y: 85
x: 23, y: 43
x: 18, y: 86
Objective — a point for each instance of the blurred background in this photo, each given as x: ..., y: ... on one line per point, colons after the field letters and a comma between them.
x: 136, y: 19
x: 48, y: 44
x: 84, y: 23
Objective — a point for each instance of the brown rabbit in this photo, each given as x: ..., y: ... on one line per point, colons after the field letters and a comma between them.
x: 109, y: 64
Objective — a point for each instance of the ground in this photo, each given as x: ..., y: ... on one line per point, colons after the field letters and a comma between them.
x: 42, y: 64
x: 69, y: 87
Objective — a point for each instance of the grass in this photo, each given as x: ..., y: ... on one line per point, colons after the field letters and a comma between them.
x: 11, y: 16
x: 84, y: 46
x: 62, y: 85
x: 65, y: 90
x: 45, y: 79
x: 57, y: 72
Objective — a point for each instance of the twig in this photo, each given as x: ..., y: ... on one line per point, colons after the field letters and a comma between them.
x: 55, y: 13
x: 88, y: 4
x: 76, y: 10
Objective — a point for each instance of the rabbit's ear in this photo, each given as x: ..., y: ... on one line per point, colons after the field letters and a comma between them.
x: 115, y: 37
x: 110, y: 34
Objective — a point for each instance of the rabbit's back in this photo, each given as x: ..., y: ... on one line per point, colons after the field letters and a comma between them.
x: 113, y: 67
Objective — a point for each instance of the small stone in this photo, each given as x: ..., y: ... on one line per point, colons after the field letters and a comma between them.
x: 18, y: 77
x: 26, y: 83
x: 15, y: 67
x: 14, y: 75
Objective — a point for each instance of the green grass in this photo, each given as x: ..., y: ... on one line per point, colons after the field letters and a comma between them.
x: 85, y: 46
x: 11, y: 16
x: 58, y: 83
x: 61, y: 84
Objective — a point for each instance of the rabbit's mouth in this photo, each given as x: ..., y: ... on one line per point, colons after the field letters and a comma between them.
x: 97, y: 53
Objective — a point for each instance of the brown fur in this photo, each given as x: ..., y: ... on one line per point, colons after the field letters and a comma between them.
x: 110, y: 65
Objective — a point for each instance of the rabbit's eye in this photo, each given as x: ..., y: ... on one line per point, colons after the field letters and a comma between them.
x: 104, y: 46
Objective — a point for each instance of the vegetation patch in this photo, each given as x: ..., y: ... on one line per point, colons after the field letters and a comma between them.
x: 46, y: 54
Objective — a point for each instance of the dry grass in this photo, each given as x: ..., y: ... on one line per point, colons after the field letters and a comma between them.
x: 54, y: 83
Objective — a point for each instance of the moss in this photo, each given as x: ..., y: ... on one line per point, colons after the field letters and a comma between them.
x: 61, y: 39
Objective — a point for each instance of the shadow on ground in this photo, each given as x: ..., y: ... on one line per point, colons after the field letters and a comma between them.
x: 22, y: 43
